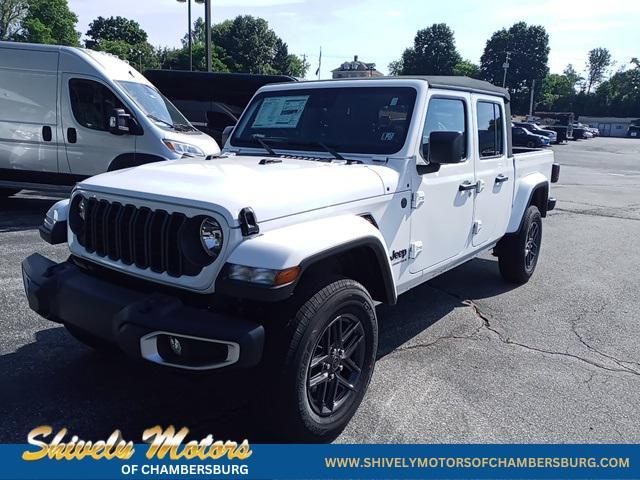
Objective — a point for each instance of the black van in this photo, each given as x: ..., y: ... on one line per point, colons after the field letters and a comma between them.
x: 211, y: 101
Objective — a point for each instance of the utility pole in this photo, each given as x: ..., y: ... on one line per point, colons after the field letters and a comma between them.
x: 190, y: 40
x: 533, y: 88
x: 505, y: 65
x: 207, y: 20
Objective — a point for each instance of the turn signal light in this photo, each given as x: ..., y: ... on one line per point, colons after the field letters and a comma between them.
x: 286, y: 276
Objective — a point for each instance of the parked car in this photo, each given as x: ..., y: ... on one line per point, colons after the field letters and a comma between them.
x: 559, y: 122
x: 69, y: 113
x: 580, y: 131
x: 524, y: 138
x: 633, y: 131
x: 537, y: 130
x: 329, y: 196
x: 211, y: 101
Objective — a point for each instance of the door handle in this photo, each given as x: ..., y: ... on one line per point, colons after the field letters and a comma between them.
x: 466, y: 186
x: 501, y: 178
x: 46, y: 133
x: 72, y: 135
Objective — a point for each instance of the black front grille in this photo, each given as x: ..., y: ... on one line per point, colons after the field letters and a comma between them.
x: 137, y: 236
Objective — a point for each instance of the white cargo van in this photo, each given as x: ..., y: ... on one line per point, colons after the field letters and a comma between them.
x: 69, y: 113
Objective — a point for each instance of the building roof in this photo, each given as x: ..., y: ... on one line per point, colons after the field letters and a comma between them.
x: 355, y: 65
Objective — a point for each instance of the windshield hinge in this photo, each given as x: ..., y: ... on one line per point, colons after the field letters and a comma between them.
x: 417, y: 199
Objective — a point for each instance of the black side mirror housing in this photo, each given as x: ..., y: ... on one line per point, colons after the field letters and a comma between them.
x: 226, y: 133
x: 120, y: 122
x: 445, y: 147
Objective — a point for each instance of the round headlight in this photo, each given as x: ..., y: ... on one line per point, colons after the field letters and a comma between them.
x: 211, y: 236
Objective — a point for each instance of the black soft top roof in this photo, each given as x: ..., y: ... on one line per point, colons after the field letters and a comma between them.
x: 232, y: 88
x: 465, y: 84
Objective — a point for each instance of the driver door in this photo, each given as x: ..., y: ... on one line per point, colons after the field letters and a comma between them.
x: 86, y: 107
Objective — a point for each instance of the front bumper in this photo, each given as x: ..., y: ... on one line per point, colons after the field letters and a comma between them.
x: 157, y: 327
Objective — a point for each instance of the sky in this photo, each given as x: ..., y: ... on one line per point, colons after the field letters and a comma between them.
x: 378, y: 31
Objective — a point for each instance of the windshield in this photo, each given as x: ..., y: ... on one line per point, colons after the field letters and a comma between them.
x: 372, y: 120
x: 156, y: 106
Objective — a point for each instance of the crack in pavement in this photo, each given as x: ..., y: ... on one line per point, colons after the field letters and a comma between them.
x: 486, y: 319
x: 621, y: 363
x: 595, y: 213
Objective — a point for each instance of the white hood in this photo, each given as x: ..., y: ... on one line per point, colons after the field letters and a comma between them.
x: 228, y: 184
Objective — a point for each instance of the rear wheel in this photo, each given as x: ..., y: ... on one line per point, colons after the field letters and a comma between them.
x: 531, y: 144
x: 329, y: 356
x: 518, y: 254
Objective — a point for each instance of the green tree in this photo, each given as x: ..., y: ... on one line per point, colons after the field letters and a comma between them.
x: 249, y: 42
x: 115, y: 29
x: 124, y: 38
x: 528, y: 46
x: 178, y: 58
x: 433, y: 53
x: 467, y: 68
x: 244, y: 44
x: 11, y: 14
x: 635, y: 62
x: 556, y: 92
x: 286, y: 63
x: 573, y: 76
x: 598, y: 61
x: 142, y: 55
x: 49, y: 21
x: 621, y: 93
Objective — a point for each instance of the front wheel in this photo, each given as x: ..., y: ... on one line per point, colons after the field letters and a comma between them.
x: 518, y: 254
x: 328, y: 363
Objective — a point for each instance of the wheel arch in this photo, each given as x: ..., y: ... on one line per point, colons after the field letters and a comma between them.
x: 362, y: 260
x: 347, y: 245
x: 532, y: 190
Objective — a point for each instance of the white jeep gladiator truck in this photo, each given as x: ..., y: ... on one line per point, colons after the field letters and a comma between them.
x: 328, y: 198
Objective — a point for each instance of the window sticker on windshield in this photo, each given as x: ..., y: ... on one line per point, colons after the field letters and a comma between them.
x: 387, y: 136
x: 394, y: 102
x: 280, y: 112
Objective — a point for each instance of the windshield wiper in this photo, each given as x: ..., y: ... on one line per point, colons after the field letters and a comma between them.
x: 331, y: 150
x: 185, y: 127
x: 156, y: 119
x: 264, y: 144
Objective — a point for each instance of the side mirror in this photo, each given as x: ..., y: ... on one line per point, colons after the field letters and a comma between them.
x: 445, y: 147
x: 119, y: 122
x: 226, y: 133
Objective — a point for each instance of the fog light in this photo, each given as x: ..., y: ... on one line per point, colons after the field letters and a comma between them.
x: 176, y: 346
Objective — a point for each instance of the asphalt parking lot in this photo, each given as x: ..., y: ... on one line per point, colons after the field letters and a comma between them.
x: 465, y: 358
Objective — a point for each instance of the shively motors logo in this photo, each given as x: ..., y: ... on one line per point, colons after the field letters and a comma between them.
x: 398, y: 255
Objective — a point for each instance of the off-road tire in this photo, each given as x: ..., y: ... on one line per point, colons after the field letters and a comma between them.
x: 518, y: 254
x: 330, y: 303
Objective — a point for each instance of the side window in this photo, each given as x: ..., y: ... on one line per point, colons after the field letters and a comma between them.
x: 92, y: 103
x: 445, y: 115
x: 490, y: 129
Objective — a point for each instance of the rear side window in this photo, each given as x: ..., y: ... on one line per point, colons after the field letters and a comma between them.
x: 490, y: 129
x: 92, y: 103
x: 445, y: 115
